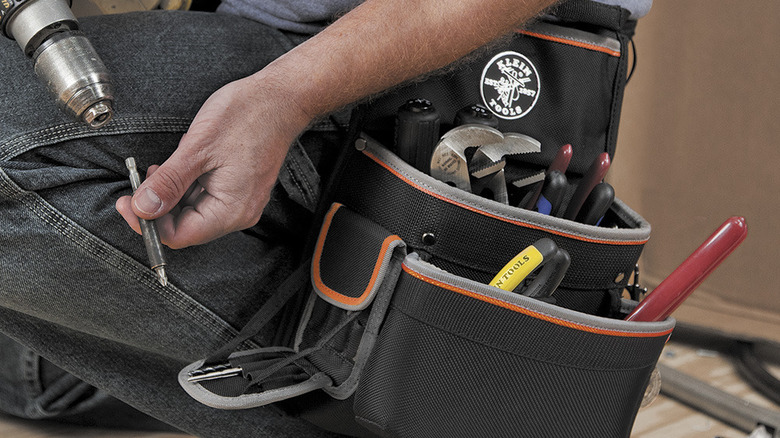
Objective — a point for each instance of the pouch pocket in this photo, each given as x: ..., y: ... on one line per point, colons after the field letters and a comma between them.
x: 352, y: 276
x: 457, y: 358
x: 474, y: 237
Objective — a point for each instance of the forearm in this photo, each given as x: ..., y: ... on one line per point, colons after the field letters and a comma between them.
x: 384, y: 42
x: 232, y: 153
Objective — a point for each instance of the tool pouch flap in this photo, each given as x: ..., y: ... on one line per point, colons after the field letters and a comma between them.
x: 353, y: 272
x: 339, y: 272
x: 355, y: 266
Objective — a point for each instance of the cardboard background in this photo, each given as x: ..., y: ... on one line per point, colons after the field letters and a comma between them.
x: 698, y: 143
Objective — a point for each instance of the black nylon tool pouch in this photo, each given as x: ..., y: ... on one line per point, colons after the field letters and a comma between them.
x: 559, y: 80
x: 458, y: 358
x: 405, y: 338
x: 399, y: 334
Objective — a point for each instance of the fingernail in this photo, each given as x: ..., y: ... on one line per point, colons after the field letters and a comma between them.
x: 147, y: 202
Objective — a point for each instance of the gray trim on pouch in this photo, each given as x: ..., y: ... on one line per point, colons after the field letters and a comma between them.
x: 245, y: 401
x: 641, y: 232
x: 414, y: 263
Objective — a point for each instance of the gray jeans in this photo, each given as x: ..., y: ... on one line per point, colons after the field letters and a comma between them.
x: 75, y: 287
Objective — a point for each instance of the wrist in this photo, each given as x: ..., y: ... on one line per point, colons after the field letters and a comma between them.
x: 275, y: 100
x: 278, y: 90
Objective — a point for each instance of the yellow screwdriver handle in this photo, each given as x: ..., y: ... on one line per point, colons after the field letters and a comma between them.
x: 514, y: 272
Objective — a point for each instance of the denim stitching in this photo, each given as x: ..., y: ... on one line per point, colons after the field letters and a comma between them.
x: 70, y: 131
x: 305, y: 181
x: 32, y: 386
x: 100, y: 250
x: 298, y: 176
x: 296, y: 181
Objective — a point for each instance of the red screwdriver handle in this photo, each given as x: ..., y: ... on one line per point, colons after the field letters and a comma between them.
x: 665, y: 298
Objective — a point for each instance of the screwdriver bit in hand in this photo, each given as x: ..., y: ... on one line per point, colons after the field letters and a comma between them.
x: 149, y: 231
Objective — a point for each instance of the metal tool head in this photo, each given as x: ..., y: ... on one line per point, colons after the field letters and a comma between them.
x: 448, y: 161
x: 492, y: 186
x: 528, y: 180
x: 490, y: 158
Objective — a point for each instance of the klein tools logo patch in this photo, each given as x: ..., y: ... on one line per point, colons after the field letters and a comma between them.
x: 510, y: 85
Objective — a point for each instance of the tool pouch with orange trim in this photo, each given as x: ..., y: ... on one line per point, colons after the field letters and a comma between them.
x: 401, y: 336
x: 396, y: 333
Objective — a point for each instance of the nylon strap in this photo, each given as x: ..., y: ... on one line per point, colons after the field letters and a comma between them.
x: 289, y: 288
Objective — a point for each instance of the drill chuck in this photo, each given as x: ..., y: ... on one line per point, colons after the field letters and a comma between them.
x: 64, y: 59
x: 72, y: 70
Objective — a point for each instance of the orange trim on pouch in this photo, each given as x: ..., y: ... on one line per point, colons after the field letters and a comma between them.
x: 531, y: 313
x: 317, y: 278
x: 484, y: 213
x: 574, y: 43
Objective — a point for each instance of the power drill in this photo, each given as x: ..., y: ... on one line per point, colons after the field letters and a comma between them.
x: 64, y: 59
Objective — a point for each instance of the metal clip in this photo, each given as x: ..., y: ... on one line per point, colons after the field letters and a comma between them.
x: 635, y: 289
x: 213, y: 373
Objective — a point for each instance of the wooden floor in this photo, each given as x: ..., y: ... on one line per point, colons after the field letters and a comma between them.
x: 15, y: 428
x: 664, y: 418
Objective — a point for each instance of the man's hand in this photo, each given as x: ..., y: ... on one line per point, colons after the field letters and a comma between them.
x: 229, y: 159
x: 220, y: 177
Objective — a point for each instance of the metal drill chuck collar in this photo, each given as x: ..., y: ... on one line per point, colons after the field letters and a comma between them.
x: 65, y: 61
x: 72, y: 70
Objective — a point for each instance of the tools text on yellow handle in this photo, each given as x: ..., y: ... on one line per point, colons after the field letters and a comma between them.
x: 514, y: 272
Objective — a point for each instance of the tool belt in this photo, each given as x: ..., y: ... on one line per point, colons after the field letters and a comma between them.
x: 392, y: 329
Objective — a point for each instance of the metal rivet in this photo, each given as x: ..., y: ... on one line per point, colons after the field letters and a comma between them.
x: 360, y: 144
x: 428, y: 239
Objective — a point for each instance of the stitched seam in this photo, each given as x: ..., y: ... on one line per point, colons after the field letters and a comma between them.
x: 309, y: 190
x: 618, y: 89
x: 77, y: 236
x: 71, y: 131
x: 32, y: 383
x: 300, y: 182
x: 536, y: 313
x: 296, y: 182
x: 572, y: 41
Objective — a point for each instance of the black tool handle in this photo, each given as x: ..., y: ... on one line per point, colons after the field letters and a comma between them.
x: 595, y: 174
x: 417, y: 132
x: 475, y: 114
x: 550, y: 276
x: 553, y: 192
x: 596, y: 204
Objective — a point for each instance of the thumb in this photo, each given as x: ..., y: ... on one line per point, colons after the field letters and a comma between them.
x: 163, y: 189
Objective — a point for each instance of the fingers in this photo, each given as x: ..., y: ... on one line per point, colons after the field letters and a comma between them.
x: 220, y: 177
x: 198, y: 218
x: 185, y: 227
x: 164, y: 187
x: 125, y: 208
